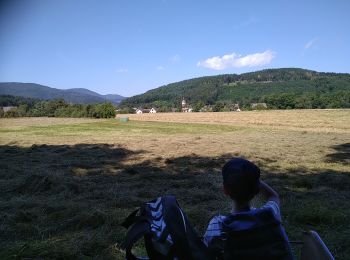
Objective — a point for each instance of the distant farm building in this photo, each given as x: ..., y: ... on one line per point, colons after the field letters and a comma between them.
x: 6, y: 109
x: 185, y: 108
x: 145, y: 111
x: 235, y: 107
x: 206, y: 108
x: 258, y: 106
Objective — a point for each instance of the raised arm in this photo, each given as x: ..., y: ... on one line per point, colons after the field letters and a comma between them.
x: 268, y: 193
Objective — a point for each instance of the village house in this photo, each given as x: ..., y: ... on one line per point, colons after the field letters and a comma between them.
x: 206, y: 108
x: 145, y: 111
x: 6, y: 109
x: 234, y: 107
x: 258, y: 105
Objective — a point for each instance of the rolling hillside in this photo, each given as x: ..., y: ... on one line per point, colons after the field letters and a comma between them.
x: 298, y: 88
x: 75, y: 95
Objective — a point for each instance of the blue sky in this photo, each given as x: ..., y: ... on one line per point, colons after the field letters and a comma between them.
x: 128, y: 47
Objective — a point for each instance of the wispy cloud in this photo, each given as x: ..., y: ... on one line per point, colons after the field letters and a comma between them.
x: 160, y: 67
x: 310, y: 43
x: 122, y: 70
x: 234, y: 60
x: 176, y: 58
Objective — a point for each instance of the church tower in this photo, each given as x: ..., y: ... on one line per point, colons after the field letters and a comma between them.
x: 183, y: 103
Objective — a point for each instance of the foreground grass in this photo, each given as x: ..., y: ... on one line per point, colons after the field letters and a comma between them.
x: 65, y: 188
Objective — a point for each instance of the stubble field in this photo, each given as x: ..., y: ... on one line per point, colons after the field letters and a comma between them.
x: 66, y: 184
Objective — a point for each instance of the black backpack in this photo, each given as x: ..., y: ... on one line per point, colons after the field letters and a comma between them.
x: 253, y: 235
x: 166, y: 231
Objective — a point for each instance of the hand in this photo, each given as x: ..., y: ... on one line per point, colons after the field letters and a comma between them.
x: 268, y: 193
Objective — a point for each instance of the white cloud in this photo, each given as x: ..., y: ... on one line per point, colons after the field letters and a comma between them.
x: 310, y: 43
x: 234, y: 60
x: 176, y: 58
x: 160, y: 68
x: 122, y: 70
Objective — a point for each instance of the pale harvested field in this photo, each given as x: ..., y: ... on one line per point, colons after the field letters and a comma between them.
x: 299, y: 120
x: 292, y: 138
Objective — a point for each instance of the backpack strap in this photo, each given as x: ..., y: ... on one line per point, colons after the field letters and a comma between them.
x: 176, y: 224
x: 140, y: 226
x: 137, y: 231
x: 131, y: 219
x: 187, y: 244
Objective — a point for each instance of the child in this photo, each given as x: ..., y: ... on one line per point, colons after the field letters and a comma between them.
x: 247, y: 233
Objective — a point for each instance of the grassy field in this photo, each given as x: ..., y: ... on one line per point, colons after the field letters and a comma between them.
x: 66, y: 184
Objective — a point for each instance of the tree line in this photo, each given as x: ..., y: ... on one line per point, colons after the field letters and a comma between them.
x: 278, y: 88
x: 338, y: 99
x: 28, y: 107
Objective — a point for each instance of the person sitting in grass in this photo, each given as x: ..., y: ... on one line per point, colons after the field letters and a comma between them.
x: 246, y: 232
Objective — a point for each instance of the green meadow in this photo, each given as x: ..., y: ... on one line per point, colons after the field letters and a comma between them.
x: 67, y: 184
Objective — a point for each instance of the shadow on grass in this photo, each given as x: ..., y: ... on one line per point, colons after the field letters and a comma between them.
x: 63, y: 201
x: 342, y: 154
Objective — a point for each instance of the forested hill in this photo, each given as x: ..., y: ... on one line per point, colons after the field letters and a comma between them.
x: 74, y: 95
x: 279, y: 88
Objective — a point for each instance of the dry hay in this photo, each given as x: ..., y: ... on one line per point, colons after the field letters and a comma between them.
x: 299, y: 120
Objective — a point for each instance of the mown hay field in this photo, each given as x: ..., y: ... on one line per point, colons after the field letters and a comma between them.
x: 66, y: 184
x: 311, y: 120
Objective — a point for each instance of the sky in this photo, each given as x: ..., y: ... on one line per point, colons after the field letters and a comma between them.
x: 127, y: 47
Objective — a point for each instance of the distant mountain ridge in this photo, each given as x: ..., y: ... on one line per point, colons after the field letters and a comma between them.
x: 300, y: 87
x: 282, y: 88
x: 74, y: 95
